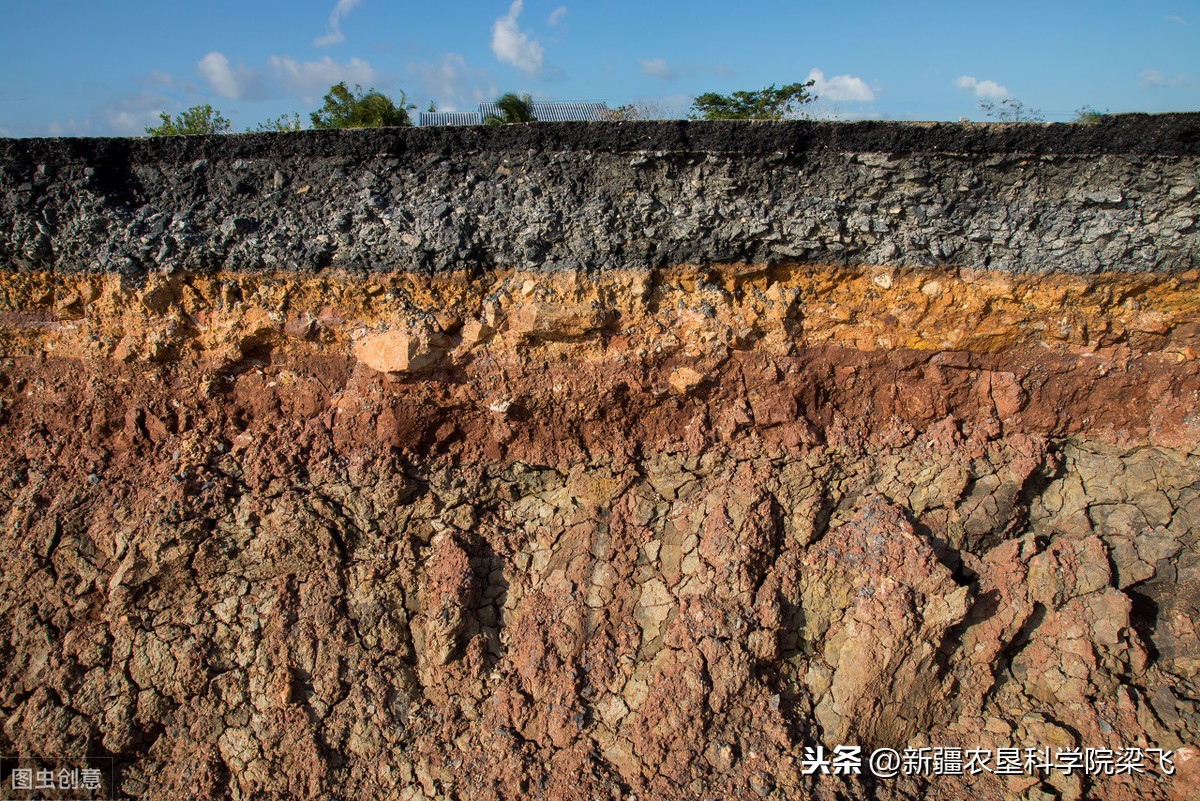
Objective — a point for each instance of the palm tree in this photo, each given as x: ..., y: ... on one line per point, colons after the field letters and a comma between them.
x: 512, y: 109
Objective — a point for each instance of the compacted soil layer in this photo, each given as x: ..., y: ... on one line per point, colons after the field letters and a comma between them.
x: 649, y: 534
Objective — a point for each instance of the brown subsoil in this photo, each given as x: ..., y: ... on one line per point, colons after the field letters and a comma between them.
x: 642, y: 534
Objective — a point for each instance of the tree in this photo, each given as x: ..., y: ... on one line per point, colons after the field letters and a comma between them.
x: 512, y: 109
x: 1011, y: 110
x: 196, y: 120
x: 765, y: 104
x: 344, y: 109
x: 1087, y: 114
x: 280, y: 123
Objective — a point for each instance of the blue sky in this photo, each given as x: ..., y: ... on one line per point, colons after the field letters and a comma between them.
x: 104, y: 69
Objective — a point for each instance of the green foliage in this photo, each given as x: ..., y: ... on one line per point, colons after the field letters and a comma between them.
x: 1011, y: 110
x: 1087, y: 115
x: 512, y: 109
x: 765, y: 104
x: 344, y: 109
x: 281, y: 123
x: 196, y: 120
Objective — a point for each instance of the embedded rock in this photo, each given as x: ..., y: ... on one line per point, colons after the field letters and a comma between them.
x: 398, y: 351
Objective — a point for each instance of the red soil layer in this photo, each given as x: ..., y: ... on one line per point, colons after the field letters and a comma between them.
x: 541, y: 555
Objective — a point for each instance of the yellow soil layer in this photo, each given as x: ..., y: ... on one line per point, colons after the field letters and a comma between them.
x: 686, y: 311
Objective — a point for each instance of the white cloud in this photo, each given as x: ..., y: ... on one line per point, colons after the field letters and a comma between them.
x: 453, y: 84
x: 556, y: 16
x: 656, y: 68
x: 308, y: 77
x: 71, y: 127
x: 1176, y: 19
x: 840, y: 87
x: 127, y: 116
x: 225, y: 80
x: 335, y: 35
x: 1151, y: 79
x: 512, y: 45
x: 982, y: 88
x: 130, y: 116
x: 59, y: 129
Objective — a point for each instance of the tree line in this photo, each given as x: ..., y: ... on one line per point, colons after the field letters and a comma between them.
x: 373, y: 109
x: 342, y: 109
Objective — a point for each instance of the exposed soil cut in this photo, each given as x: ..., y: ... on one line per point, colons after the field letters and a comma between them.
x: 664, y: 532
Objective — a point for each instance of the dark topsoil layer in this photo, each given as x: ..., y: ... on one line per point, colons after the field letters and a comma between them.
x: 1150, y: 134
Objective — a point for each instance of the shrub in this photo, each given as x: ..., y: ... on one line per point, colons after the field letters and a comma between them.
x: 197, y: 120
x: 765, y: 104
x: 1011, y: 110
x: 344, y: 109
x: 280, y: 123
x: 1087, y: 115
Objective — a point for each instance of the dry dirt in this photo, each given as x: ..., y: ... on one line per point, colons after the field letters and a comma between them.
x: 650, y: 535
